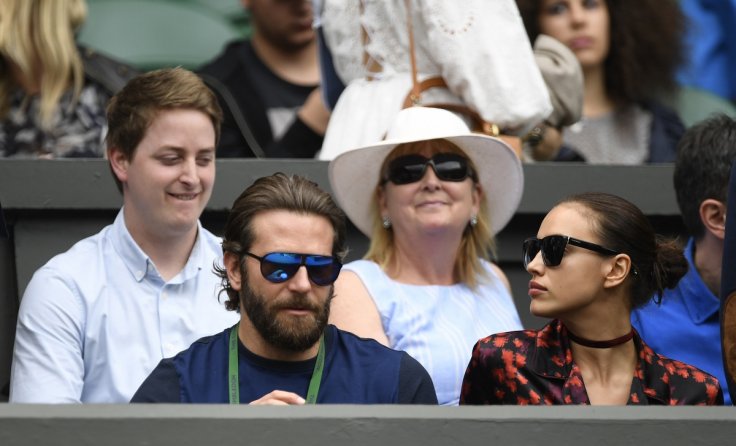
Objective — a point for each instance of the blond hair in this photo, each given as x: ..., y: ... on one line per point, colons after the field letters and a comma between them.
x: 476, y: 243
x: 37, y: 36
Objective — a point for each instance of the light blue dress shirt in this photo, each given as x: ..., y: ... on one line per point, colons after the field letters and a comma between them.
x: 438, y: 325
x: 686, y: 326
x: 97, y: 319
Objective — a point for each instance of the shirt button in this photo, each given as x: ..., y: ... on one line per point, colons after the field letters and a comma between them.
x: 164, y: 295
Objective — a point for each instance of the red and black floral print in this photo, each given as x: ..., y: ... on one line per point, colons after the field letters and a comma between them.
x: 537, y: 367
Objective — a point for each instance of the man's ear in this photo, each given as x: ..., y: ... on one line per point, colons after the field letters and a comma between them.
x: 119, y: 163
x: 616, y: 271
x: 713, y: 216
x: 232, y: 265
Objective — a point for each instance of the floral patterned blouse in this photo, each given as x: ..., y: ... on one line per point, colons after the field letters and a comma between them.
x: 537, y: 367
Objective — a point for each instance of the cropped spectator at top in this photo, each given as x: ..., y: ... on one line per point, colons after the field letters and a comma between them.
x: 52, y: 93
x: 268, y: 86
x: 628, y: 50
x: 431, y: 197
x: 685, y: 323
x: 594, y: 259
x: 710, y: 38
x: 472, y: 53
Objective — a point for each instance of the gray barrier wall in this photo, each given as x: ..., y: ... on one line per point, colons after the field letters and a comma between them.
x: 364, y: 425
x: 49, y: 205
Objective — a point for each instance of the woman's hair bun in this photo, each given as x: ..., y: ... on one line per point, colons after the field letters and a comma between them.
x: 669, y: 266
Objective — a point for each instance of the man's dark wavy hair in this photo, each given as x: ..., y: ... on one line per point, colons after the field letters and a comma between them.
x: 276, y: 192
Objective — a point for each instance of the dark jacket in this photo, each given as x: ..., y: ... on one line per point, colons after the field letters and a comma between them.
x: 537, y: 367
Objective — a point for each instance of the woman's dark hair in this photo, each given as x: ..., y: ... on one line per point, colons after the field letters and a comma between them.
x: 657, y: 263
x: 645, y: 47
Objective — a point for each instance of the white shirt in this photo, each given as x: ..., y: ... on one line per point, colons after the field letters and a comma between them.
x: 97, y: 319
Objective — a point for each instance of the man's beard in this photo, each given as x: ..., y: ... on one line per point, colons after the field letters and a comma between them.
x: 296, y: 333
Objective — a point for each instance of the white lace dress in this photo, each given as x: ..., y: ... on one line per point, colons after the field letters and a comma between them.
x: 479, y: 47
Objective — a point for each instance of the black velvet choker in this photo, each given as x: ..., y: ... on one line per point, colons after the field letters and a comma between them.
x: 600, y: 344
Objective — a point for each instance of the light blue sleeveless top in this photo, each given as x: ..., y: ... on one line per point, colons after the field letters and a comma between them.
x: 439, y: 324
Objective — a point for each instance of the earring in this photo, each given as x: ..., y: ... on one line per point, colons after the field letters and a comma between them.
x: 386, y: 223
x: 473, y: 220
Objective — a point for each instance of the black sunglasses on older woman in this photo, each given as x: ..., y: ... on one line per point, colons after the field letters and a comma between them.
x: 411, y: 168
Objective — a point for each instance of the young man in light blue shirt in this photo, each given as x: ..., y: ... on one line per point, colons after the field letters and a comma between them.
x: 95, y: 320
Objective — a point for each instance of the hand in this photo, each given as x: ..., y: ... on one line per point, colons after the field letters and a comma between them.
x: 546, y: 149
x: 279, y: 398
x: 314, y: 113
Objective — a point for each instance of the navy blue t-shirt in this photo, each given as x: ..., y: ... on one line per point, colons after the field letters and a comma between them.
x: 357, y: 371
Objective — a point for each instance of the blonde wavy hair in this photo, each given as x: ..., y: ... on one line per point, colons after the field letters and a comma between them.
x: 477, y: 242
x: 37, y: 36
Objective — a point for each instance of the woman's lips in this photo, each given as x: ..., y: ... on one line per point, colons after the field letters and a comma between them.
x: 580, y: 43
x: 535, y: 289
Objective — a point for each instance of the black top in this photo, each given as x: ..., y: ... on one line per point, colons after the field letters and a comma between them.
x: 248, y: 91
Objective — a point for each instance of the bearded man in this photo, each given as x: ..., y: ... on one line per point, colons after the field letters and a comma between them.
x: 283, y: 248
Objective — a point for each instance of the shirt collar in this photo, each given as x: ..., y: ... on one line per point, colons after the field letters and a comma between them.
x: 140, y: 264
x: 552, y: 359
x: 700, y: 302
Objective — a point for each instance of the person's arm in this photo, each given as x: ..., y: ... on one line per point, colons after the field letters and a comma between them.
x: 415, y: 384
x: 161, y: 386
x: 48, y: 364
x: 314, y: 113
x: 353, y: 309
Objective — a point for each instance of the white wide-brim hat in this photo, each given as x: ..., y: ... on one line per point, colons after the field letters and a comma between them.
x: 354, y: 174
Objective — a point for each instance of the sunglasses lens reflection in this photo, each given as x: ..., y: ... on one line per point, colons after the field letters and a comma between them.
x: 531, y: 248
x: 450, y: 167
x: 552, y: 247
x: 279, y: 267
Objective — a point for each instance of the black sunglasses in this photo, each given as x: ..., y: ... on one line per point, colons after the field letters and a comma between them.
x: 278, y: 267
x: 411, y: 168
x: 553, y: 248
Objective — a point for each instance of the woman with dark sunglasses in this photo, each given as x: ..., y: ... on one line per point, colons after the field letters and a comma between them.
x: 595, y: 258
x: 430, y: 197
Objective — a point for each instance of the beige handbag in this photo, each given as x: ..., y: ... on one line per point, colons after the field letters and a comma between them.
x: 414, y: 97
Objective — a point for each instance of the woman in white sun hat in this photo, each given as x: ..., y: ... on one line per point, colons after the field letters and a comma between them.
x: 431, y: 196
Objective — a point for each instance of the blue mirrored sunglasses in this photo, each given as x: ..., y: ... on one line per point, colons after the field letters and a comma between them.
x: 278, y: 267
